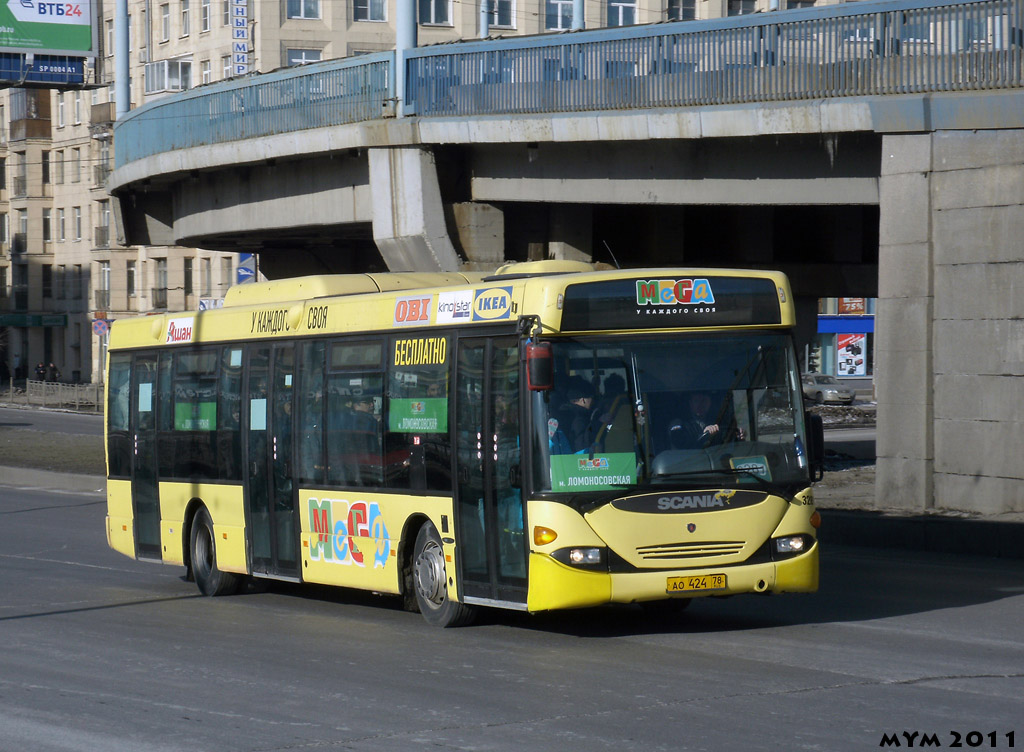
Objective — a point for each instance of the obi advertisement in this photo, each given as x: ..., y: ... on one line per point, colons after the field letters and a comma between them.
x: 47, y: 27
x: 850, y: 354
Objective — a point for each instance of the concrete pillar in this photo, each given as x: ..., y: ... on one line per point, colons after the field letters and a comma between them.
x: 903, y: 326
x: 570, y: 232
x: 408, y: 217
x: 480, y: 229
x: 978, y: 223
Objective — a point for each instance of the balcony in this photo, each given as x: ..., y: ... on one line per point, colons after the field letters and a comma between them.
x: 19, y: 243
x: 102, y: 300
x: 19, y: 187
x: 101, y: 236
x: 158, y: 299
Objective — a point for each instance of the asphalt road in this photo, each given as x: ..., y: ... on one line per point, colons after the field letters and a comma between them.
x: 51, y: 421
x: 99, y: 652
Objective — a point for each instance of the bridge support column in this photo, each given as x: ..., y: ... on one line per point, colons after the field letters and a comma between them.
x: 481, y: 233
x: 950, y: 322
x: 904, y: 316
x: 408, y: 218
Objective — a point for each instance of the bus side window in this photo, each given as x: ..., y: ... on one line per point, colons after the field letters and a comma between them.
x: 417, y: 442
x: 311, y: 412
x: 229, y: 406
x: 119, y: 396
x: 353, y: 414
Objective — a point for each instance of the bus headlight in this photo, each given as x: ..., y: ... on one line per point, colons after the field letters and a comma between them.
x: 792, y: 545
x: 582, y: 557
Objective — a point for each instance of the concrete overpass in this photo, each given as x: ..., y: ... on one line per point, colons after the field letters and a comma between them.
x: 884, y: 160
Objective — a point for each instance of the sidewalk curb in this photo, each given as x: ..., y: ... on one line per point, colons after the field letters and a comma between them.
x: 50, y: 480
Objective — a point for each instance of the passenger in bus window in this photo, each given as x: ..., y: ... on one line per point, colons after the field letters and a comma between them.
x: 576, y: 415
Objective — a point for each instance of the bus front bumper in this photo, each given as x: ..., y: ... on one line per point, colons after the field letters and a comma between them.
x: 554, y: 585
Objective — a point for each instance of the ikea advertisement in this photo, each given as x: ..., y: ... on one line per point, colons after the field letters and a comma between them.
x: 64, y: 28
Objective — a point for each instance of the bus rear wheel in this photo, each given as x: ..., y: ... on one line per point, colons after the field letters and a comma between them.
x: 210, y: 579
x: 430, y: 581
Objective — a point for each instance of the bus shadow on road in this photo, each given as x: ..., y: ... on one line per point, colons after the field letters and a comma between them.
x: 857, y: 585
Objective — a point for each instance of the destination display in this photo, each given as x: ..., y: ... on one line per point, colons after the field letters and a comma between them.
x: 668, y: 302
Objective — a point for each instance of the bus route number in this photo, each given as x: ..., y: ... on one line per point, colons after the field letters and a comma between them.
x: 317, y: 317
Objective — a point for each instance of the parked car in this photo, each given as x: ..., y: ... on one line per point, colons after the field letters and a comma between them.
x: 823, y: 388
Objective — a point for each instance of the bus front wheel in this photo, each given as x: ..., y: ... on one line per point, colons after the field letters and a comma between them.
x: 430, y: 580
x: 210, y: 579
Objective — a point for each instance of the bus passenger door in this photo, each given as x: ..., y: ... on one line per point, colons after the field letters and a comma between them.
x: 270, y: 501
x: 145, y: 474
x: 491, y: 547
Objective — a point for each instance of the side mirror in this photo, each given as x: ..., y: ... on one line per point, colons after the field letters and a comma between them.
x: 540, y: 372
x: 815, y: 446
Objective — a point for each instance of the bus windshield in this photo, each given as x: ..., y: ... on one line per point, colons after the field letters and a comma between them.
x: 686, y: 410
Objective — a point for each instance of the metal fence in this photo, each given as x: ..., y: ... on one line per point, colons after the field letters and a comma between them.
x: 851, y: 49
x: 79, y: 397
x: 333, y: 92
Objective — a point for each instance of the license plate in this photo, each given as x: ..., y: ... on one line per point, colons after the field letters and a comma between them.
x: 695, y: 584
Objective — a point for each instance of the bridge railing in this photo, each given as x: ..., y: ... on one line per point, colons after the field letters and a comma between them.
x: 852, y: 49
x: 332, y: 92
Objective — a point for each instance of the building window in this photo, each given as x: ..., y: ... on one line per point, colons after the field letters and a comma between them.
x: 185, y: 26
x: 47, y: 225
x: 59, y: 177
x: 368, y: 10
x: 435, y: 12
x: 168, y: 75
x: 46, y: 167
x: 129, y: 278
x: 741, y: 7
x: 504, y: 14
x: 226, y: 272
x: 226, y: 13
x: 103, y: 296
x: 47, y: 280
x: 206, y: 72
x: 204, y: 15
x: 558, y: 15
x: 160, y: 284
x: 60, y: 226
x: 621, y: 12
x: 301, y: 57
x: 76, y: 165
x: 207, y: 280
x: 76, y: 222
x: 225, y: 63
x: 682, y: 10
x: 165, y: 22
x: 187, y: 278
x: 60, y: 109
x: 109, y: 26
x: 78, y: 108
x: 303, y: 8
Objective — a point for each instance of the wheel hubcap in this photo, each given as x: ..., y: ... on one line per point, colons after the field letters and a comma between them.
x: 430, y: 577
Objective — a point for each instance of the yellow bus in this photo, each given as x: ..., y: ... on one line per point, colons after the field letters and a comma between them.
x: 547, y: 437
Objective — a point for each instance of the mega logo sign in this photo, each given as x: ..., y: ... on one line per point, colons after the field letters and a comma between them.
x: 672, y: 292
x: 350, y: 533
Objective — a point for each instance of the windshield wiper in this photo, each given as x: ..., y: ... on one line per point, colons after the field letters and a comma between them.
x: 766, y: 485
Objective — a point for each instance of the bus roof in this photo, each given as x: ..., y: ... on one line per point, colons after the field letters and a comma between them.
x: 566, y: 295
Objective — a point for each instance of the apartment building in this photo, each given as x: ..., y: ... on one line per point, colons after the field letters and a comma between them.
x: 62, y: 273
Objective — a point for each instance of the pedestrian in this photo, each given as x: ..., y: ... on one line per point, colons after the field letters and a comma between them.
x: 40, y: 372
x: 52, y: 374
